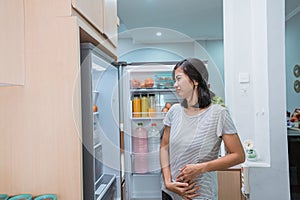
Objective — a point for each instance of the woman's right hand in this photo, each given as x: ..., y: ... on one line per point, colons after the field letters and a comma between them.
x: 186, y: 190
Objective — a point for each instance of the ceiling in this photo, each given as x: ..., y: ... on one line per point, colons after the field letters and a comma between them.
x: 176, y: 19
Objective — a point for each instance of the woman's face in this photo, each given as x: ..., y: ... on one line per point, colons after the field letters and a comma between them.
x: 183, y: 85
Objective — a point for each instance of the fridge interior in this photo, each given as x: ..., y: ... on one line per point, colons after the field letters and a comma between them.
x: 143, y: 181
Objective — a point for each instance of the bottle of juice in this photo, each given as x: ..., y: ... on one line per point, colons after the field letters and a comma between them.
x: 136, y: 105
x: 140, y: 149
x: 153, y: 149
x: 152, y: 105
x: 144, y: 105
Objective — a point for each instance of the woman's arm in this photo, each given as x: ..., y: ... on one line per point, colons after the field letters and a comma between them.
x: 164, y: 156
x: 236, y: 155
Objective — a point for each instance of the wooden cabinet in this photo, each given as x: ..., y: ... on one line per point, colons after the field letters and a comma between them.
x: 41, y: 127
x: 111, y: 21
x: 12, y: 66
x: 99, y: 15
x: 102, y: 14
x: 92, y: 10
x: 229, y: 185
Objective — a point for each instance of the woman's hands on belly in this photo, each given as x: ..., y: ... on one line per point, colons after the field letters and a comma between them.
x: 186, y: 190
x: 190, y: 172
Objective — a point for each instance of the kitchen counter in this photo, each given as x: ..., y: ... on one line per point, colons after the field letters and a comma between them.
x: 293, y: 132
x: 294, y: 162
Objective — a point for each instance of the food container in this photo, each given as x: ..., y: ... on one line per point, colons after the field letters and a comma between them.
x: 164, y: 81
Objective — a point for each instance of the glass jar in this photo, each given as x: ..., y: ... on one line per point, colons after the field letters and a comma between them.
x: 144, y: 105
x: 136, y: 105
x: 152, y: 105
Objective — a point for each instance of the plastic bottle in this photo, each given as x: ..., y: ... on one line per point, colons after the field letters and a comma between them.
x: 153, y: 148
x: 140, y: 149
x: 152, y: 105
x: 136, y: 105
x: 144, y: 105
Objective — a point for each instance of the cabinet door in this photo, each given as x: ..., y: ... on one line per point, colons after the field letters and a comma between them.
x: 92, y: 10
x: 12, y: 64
x: 111, y: 21
x: 229, y: 185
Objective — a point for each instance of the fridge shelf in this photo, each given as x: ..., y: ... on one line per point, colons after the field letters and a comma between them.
x: 146, y: 196
x: 143, y: 190
x: 152, y: 90
x: 151, y: 115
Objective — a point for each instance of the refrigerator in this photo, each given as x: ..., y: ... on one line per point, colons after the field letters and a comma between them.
x: 141, y: 81
x: 110, y: 91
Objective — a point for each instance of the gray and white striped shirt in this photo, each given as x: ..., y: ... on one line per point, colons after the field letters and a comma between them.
x: 197, y: 139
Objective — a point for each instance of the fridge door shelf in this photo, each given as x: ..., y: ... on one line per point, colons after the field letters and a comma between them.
x: 106, y: 187
x: 95, y: 96
x: 95, y: 119
x: 97, y: 145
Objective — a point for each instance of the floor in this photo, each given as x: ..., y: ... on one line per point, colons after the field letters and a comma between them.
x: 295, y: 196
x: 294, y: 166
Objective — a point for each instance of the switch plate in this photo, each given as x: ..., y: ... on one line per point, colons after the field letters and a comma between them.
x: 244, y: 78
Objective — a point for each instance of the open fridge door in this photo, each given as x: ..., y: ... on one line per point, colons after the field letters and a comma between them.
x: 100, y: 119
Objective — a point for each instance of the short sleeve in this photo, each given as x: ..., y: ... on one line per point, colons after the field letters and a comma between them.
x: 225, y: 124
x: 170, y: 115
x: 167, y: 120
x: 228, y: 127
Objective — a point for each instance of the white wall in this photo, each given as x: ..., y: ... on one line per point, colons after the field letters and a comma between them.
x: 254, y: 44
x: 138, y: 52
x: 215, y: 49
x: 292, y: 58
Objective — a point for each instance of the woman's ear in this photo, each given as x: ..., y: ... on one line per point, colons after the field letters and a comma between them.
x: 195, y: 83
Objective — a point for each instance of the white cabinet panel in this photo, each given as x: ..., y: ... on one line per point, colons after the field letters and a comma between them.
x: 12, y: 42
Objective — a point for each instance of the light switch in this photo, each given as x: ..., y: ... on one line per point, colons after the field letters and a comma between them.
x: 244, y: 78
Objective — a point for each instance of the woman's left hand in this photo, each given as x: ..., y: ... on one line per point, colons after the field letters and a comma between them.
x: 189, y: 172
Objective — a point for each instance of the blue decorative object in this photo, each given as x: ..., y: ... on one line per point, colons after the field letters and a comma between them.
x: 3, y: 196
x: 21, y: 197
x: 46, y: 196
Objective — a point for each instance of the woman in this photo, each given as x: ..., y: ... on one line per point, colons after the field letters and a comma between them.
x: 192, y: 136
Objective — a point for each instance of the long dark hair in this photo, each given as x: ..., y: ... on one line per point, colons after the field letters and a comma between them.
x: 193, y: 72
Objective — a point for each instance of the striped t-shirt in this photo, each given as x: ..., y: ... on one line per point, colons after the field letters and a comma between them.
x: 197, y: 139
